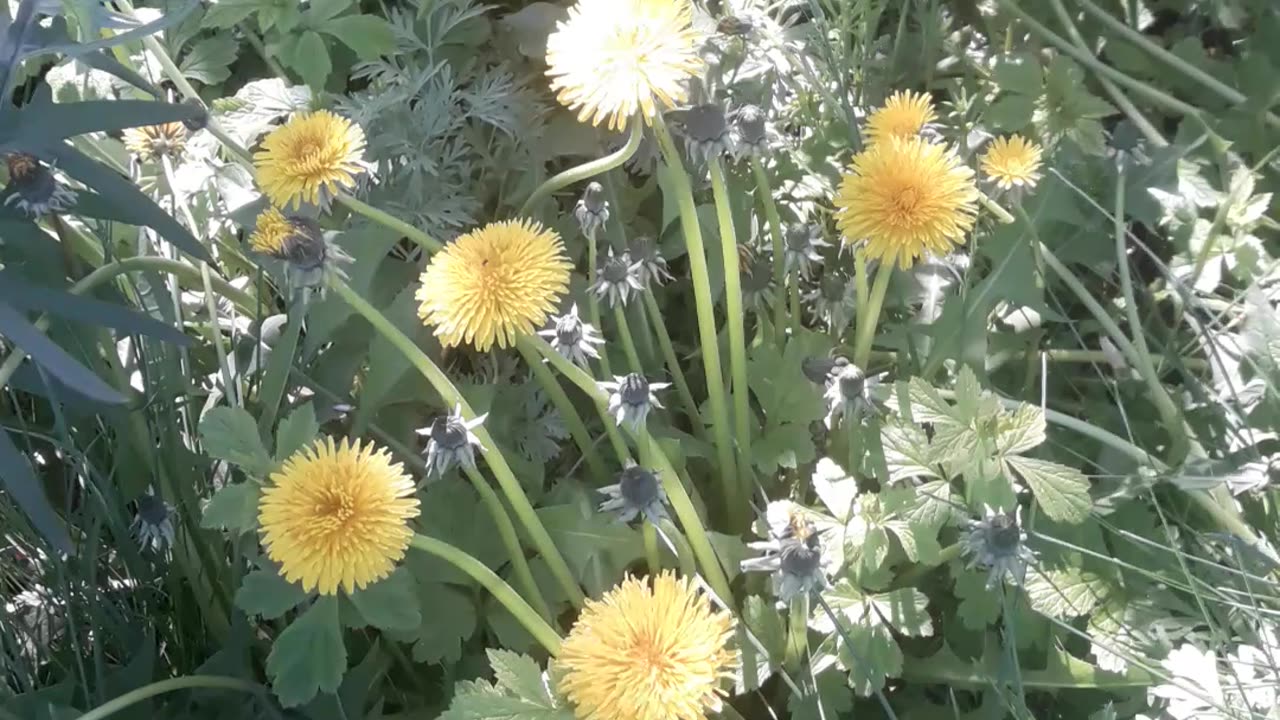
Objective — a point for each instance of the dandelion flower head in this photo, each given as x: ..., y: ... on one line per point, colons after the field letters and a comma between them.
x: 906, y: 198
x: 271, y: 233
x: 613, y: 58
x: 647, y: 652
x: 310, y: 158
x: 337, y: 514
x: 1012, y: 162
x: 153, y: 142
x: 903, y: 115
x: 493, y: 284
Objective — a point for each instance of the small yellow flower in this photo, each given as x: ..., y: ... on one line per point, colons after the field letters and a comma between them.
x: 493, y: 284
x: 613, y: 58
x: 647, y: 653
x: 309, y: 159
x: 337, y: 514
x: 904, y: 115
x: 153, y: 142
x: 906, y: 198
x: 272, y: 233
x: 1012, y: 162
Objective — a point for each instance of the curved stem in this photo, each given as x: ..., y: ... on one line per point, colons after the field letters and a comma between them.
x: 705, y: 306
x: 507, y: 532
x: 476, y: 570
x: 765, y: 193
x: 868, y: 320
x: 572, y: 420
x: 735, y: 319
x: 425, y: 241
x: 673, y: 365
x: 586, y: 170
x: 212, y: 682
x: 511, y: 487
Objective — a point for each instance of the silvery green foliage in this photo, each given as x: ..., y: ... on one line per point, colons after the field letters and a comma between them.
x: 443, y: 128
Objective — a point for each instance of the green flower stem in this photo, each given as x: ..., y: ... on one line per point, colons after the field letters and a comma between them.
x: 1221, y: 89
x: 476, y: 570
x: 572, y: 420
x: 493, y: 455
x: 1121, y: 100
x: 994, y: 208
x: 628, y: 342
x: 133, y: 697
x: 764, y: 191
x: 645, y: 336
x: 510, y: 540
x: 1087, y: 59
x: 793, y: 290
x: 673, y: 365
x: 650, y: 535
x: 735, y: 320
x: 683, y: 506
x: 593, y: 303
x: 862, y: 292
x: 586, y: 170
x: 868, y: 320
x: 678, y: 546
x: 229, y: 381
x: 420, y: 238
x: 1169, y: 415
x: 113, y: 270
x: 796, y: 650
x: 710, y: 341
x: 271, y: 391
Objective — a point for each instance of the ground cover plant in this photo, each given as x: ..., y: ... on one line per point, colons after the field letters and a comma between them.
x: 639, y: 359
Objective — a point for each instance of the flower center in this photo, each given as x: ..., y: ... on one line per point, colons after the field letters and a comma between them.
x: 334, y: 508
x: 638, y: 486
x: 615, y: 271
x: 449, y: 433
x: 634, y: 390
x: 905, y: 204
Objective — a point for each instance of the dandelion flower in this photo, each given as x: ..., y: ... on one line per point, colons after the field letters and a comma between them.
x: 337, y: 514
x: 34, y: 188
x: 647, y: 653
x: 493, y: 284
x: 154, y: 142
x: 309, y: 159
x: 301, y: 242
x: 907, y: 198
x: 904, y: 115
x: 613, y: 58
x: 1012, y: 162
x: 153, y: 523
x: 271, y: 233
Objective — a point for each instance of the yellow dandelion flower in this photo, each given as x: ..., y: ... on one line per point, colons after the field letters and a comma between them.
x: 647, y: 653
x: 906, y: 198
x: 271, y: 234
x: 904, y: 115
x: 309, y: 159
x: 337, y: 514
x: 153, y: 142
x: 1012, y: 162
x: 613, y: 58
x: 493, y: 284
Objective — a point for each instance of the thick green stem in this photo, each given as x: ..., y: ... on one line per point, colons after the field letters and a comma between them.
x: 994, y: 208
x: 510, y: 540
x: 428, y: 243
x: 861, y: 288
x: 628, y: 342
x: 568, y: 413
x: 654, y: 458
x: 673, y: 365
x: 476, y: 570
x: 765, y: 193
x: 650, y: 534
x: 229, y: 381
x: 705, y: 306
x: 797, y: 648
x: 210, y: 682
x: 869, y: 317
x: 511, y: 487
x: 593, y: 303
x: 737, y: 330
x: 586, y: 170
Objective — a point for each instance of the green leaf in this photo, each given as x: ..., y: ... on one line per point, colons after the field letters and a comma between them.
x: 907, y: 451
x: 320, y: 11
x: 296, y: 431
x: 234, y: 507
x: 367, y: 35
x: 596, y: 546
x: 871, y: 655
x: 731, y: 551
x: 905, y: 610
x: 1018, y: 73
x: 1012, y: 112
x: 309, y: 56
x: 309, y: 656
x: 832, y: 693
x: 1068, y: 592
x: 784, y: 393
x: 765, y: 623
x: 1062, y: 492
x: 448, y: 620
x: 227, y: 13
x: 919, y: 541
x: 835, y: 488
x: 267, y: 594
x: 519, y: 694
x: 788, y: 445
x: 978, y: 606
x: 390, y: 603
x: 209, y: 60
x: 231, y: 434
x: 927, y: 406
x: 520, y: 676
x: 1020, y: 430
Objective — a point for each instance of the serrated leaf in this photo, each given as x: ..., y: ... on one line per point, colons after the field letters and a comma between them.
x: 449, y: 619
x: 319, y: 11
x: 391, y: 603
x: 1018, y: 73
x: 296, y: 431
x: 871, y: 656
x: 936, y: 504
x: 927, y: 406
x: 369, y: 36
x: 209, y: 60
x: 788, y: 445
x: 832, y: 693
x: 265, y: 593
x: 968, y: 396
x: 977, y: 606
x: 485, y: 706
x: 1021, y: 430
x: 905, y: 610
x: 765, y: 623
x: 835, y: 488
x: 520, y: 676
x: 227, y: 13
x: 1062, y: 492
x: 234, y: 507
x: 1068, y: 592
x: 309, y: 656
x: 231, y: 434
x: 907, y: 451
x: 919, y: 542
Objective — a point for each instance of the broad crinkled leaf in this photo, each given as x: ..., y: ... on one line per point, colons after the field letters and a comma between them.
x: 977, y: 605
x: 448, y: 620
x: 520, y: 676
x: 390, y: 603
x: 1062, y: 492
x: 927, y: 406
x: 264, y: 593
x: 1021, y: 430
x: 907, y: 451
x: 296, y: 431
x: 1066, y: 593
x: 210, y: 59
x: 231, y: 434
x: 233, y: 507
x: 520, y: 693
x: 309, y: 656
